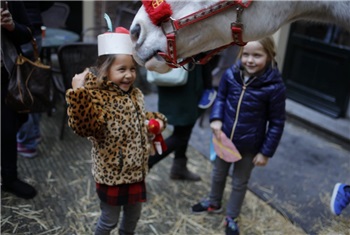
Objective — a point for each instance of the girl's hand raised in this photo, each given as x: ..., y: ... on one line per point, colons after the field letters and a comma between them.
x: 79, y: 79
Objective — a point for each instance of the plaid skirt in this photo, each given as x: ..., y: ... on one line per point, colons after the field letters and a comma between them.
x: 124, y: 194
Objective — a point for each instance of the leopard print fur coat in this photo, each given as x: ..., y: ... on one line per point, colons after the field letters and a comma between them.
x: 114, y: 121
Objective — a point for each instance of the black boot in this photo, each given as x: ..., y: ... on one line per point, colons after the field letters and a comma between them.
x: 19, y: 188
x: 179, y: 171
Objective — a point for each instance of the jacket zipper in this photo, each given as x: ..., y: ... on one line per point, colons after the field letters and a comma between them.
x: 138, y: 112
x: 244, y: 87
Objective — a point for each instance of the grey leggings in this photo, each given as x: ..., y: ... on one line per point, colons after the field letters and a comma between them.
x: 110, y: 216
x: 241, y: 173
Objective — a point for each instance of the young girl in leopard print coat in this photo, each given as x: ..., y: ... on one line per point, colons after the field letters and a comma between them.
x: 108, y: 110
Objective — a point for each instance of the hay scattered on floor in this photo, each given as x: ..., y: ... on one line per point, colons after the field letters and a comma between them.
x: 166, y: 212
x: 67, y: 203
x: 339, y: 226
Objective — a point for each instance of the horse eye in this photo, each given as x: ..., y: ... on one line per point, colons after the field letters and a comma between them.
x: 135, y: 32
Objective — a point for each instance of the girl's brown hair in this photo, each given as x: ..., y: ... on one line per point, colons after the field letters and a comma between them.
x: 270, y: 48
x: 104, y: 62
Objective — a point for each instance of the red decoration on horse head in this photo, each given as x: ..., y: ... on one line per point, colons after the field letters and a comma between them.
x: 157, y: 10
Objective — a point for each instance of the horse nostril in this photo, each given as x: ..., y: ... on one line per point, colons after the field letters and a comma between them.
x: 135, y: 32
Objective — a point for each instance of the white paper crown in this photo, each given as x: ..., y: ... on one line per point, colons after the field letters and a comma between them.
x: 117, y: 42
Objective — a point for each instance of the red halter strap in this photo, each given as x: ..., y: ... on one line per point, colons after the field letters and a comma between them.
x: 170, y: 27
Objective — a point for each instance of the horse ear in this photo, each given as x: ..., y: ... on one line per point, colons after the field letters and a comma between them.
x: 157, y: 11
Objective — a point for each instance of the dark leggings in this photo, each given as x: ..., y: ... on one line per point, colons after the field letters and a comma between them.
x: 10, y: 122
x: 178, y: 142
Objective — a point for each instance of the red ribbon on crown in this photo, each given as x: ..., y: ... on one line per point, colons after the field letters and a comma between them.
x: 157, y: 10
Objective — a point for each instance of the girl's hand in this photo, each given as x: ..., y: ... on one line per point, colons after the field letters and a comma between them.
x: 156, y: 126
x: 79, y: 79
x: 260, y: 160
x: 216, y: 128
x: 161, y: 124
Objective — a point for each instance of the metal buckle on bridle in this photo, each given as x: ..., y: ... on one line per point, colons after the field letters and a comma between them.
x: 239, y: 10
x: 237, y: 27
x: 168, y: 24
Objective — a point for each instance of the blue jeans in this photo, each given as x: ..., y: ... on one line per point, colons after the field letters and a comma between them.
x: 110, y: 216
x: 29, y: 132
x: 241, y: 173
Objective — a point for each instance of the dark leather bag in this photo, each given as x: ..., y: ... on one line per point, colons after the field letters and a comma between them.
x: 29, y: 87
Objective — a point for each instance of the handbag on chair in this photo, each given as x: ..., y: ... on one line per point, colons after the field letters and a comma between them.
x: 29, y: 87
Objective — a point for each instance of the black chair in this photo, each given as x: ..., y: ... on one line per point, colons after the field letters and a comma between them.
x: 73, y: 58
x: 56, y: 16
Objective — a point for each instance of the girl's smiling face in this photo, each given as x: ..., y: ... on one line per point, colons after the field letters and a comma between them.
x: 254, y: 58
x: 122, y: 72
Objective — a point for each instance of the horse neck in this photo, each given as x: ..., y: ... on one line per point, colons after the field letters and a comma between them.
x: 214, y: 32
x: 263, y: 18
x: 266, y: 17
x: 260, y: 19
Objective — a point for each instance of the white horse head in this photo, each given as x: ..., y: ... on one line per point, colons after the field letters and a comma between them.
x: 260, y: 19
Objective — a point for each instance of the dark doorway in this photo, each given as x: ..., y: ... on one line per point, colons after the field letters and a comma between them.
x: 317, y: 67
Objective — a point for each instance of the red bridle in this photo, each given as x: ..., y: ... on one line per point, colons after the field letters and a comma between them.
x: 170, y: 27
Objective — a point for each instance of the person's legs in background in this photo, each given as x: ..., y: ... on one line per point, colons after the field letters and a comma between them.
x: 178, y: 142
x: 28, y: 137
x: 171, y: 143
x: 179, y: 168
x: 10, y: 121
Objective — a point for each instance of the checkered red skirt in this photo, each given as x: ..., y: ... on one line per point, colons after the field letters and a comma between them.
x: 124, y: 194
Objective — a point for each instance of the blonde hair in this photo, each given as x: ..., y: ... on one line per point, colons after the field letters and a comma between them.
x: 269, y: 47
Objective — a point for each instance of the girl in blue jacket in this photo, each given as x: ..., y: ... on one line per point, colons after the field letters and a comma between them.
x: 250, y: 110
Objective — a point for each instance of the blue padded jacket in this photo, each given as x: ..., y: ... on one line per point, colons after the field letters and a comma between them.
x: 252, y: 113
